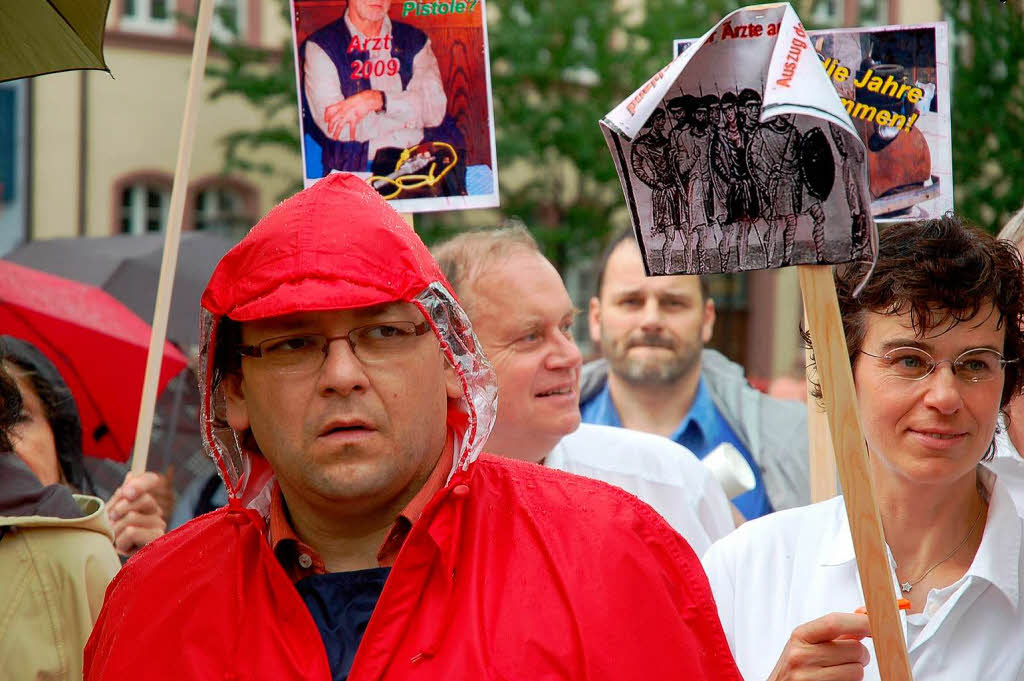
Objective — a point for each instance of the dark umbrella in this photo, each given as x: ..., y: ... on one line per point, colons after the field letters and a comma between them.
x: 98, y: 345
x: 128, y: 267
x: 45, y: 36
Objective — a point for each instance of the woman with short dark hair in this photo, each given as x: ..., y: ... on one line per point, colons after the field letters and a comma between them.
x: 50, y: 432
x: 56, y: 558
x: 935, y: 342
x: 48, y: 438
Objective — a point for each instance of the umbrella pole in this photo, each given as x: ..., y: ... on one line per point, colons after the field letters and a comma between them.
x: 172, y: 237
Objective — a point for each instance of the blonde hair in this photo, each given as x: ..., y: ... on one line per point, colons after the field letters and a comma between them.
x: 1013, y: 230
x: 464, y: 257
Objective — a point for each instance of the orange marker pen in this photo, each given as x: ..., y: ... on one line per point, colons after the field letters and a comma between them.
x: 902, y: 604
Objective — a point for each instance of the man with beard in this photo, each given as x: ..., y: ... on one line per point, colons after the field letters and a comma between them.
x: 657, y: 377
x: 650, y: 159
x: 688, y: 150
x: 774, y: 157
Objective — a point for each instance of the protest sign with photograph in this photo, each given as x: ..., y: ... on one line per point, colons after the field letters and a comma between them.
x: 740, y: 155
x: 894, y: 83
x: 398, y: 92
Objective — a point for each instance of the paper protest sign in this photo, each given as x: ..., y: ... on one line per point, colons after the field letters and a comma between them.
x: 740, y: 155
x: 398, y: 92
x: 894, y: 83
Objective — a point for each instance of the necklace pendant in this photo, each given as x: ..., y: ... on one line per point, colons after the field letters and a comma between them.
x: 905, y: 587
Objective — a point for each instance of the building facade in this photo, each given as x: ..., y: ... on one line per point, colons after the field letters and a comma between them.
x: 87, y: 153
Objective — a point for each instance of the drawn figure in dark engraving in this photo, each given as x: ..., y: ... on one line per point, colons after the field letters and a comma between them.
x: 650, y: 160
x: 690, y: 147
x: 718, y: 213
x: 777, y: 152
x: 732, y: 176
x: 852, y: 156
x: 748, y: 108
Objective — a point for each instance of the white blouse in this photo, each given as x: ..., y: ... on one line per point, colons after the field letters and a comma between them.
x: 1009, y: 466
x: 780, y: 571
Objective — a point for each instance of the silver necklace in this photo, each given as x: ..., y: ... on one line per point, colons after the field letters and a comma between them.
x: 905, y: 587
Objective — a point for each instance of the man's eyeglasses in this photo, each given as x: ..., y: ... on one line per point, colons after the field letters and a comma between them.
x: 914, y: 364
x: 306, y: 353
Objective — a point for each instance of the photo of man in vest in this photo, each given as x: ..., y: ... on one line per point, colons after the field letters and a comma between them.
x: 369, y: 83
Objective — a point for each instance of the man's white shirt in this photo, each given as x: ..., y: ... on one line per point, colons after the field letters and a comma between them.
x: 660, y: 472
x: 1009, y: 466
x: 780, y: 571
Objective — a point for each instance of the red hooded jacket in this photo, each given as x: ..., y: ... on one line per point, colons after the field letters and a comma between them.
x: 512, y: 571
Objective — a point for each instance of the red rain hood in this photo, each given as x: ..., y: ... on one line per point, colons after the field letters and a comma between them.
x: 336, y: 245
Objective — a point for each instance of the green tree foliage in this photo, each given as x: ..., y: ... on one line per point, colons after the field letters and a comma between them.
x: 265, y: 79
x: 988, y: 109
x: 556, y: 69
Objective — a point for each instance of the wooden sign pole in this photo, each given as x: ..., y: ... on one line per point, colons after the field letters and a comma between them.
x: 172, y: 238
x: 819, y: 440
x: 823, y: 460
x: 821, y: 306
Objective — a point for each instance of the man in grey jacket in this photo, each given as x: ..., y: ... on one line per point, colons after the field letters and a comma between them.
x: 657, y: 377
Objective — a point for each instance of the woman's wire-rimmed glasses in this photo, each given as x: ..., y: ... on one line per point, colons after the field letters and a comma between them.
x: 976, y: 365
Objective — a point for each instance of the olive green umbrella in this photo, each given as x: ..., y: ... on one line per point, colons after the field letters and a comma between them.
x: 45, y: 36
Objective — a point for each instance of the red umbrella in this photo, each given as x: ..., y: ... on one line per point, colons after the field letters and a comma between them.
x: 98, y: 345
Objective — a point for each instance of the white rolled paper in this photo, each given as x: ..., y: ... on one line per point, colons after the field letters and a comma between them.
x: 730, y: 469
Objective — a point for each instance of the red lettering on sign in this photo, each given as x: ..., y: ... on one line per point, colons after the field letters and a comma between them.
x: 373, y: 67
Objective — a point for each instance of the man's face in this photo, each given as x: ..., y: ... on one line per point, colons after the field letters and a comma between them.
x: 751, y: 111
x: 369, y: 10
x: 700, y: 117
x: 729, y: 113
x: 657, y: 123
x: 523, y: 317
x: 715, y: 114
x: 782, y: 122
x: 651, y: 329
x: 350, y: 436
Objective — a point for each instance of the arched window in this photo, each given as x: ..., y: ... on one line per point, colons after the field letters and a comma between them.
x: 226, y: 205
x: 144, y: 205
x: 148, y: 16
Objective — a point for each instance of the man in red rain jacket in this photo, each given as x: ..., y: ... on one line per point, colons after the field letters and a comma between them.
x: 346, y: 402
